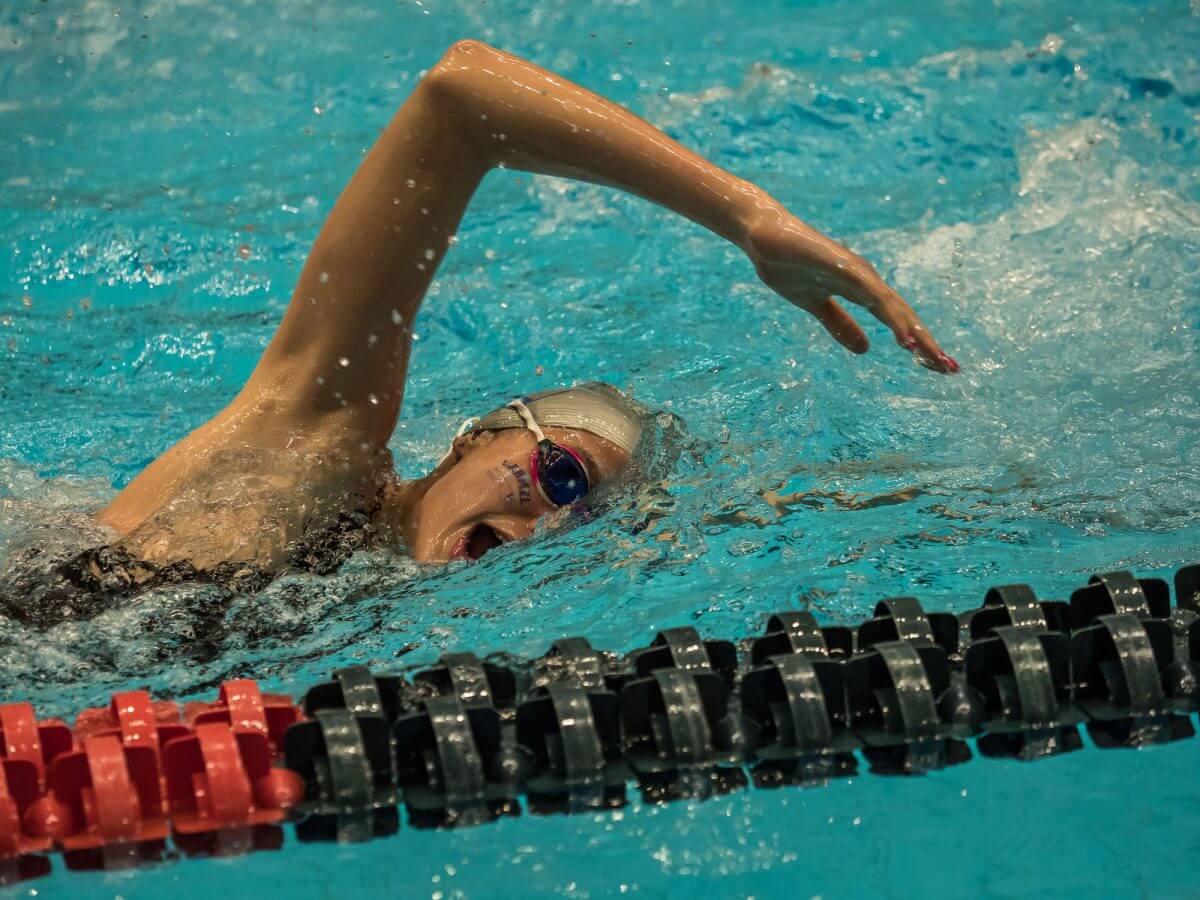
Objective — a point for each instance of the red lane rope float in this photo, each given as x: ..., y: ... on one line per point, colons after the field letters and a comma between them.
x: 18, y: 792
x: 105, y: 789
x: 134, y: 769
x: 221, y: 777
x: 134, y: 718
x: 103, y: 793
x: 242, y: 706
x: 22, y: 736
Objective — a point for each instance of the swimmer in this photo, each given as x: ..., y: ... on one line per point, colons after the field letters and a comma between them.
x: 309, y: 430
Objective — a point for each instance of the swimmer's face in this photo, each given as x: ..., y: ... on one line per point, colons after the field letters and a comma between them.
x: 484, y: 496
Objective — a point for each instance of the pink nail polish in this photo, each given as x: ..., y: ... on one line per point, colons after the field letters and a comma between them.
x: 949, y: 362
x: 909, y: 343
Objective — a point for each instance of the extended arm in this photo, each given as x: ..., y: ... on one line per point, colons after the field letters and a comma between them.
x: 345, y: 340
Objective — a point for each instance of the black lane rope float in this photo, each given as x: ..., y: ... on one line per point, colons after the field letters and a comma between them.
x: 463, y: 741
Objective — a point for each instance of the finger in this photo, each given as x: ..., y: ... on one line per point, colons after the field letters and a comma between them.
x: 839, y: 323
x: 910, y: 332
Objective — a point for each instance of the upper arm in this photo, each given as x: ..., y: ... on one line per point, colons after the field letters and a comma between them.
x: 345, y: 340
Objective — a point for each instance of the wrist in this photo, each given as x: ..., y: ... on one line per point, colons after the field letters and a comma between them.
x: 758, y: 213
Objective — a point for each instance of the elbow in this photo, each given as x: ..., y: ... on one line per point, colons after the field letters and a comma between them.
x: 467, y: 48
x: 461, y: 57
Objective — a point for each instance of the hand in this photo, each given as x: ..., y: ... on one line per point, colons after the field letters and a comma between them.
x: 806, y: 268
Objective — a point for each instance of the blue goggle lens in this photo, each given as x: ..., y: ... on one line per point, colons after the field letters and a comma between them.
x: 561, y: 476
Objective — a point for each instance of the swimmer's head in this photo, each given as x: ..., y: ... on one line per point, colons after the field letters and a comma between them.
x: 517, y: 463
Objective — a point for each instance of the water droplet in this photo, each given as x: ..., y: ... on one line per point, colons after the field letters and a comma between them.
x: 343, y: 362
x: 372, y: 340
x: 323, y: 278
x: 319, y: 110
x: 452, y: 240
x: 421, y: 266
x: 374, y: 400
x: 396, y: 317
x: 411, y: 182
x: 429, y: 254
x: 489, y: 254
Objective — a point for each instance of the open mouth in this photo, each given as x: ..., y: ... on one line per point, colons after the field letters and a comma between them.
x: 480, y: 540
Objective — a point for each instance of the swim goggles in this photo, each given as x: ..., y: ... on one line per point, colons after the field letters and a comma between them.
x: 558, y: 472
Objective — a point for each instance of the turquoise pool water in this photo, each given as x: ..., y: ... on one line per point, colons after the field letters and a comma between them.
x: 1025, y: 172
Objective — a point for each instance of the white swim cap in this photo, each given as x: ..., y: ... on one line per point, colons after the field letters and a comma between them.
x: 593, y: 406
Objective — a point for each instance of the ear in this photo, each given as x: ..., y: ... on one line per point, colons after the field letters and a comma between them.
x: 460, y: 448
x: 465, y: 444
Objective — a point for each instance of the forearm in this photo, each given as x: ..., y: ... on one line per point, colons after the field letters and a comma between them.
x: 513, y: 113
x: 516, y: 114
x: 345, y: 340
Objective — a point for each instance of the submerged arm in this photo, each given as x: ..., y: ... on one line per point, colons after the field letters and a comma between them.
x: 345, y: 340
